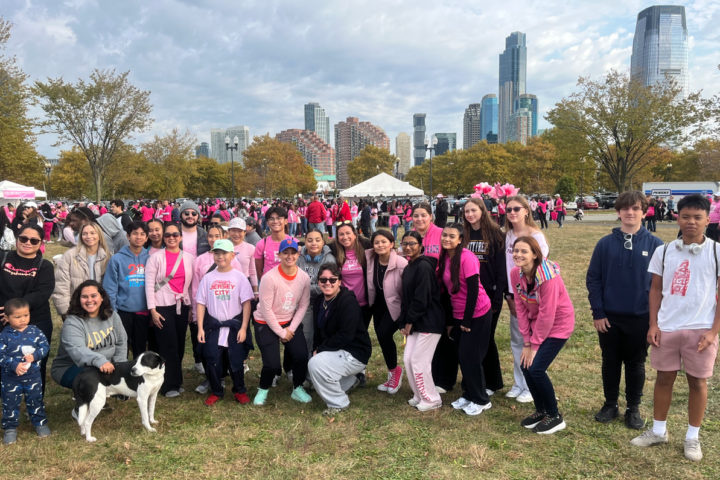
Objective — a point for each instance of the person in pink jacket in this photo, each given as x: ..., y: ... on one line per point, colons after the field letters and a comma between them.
x: 384, y: 288
x: 284, y: 298
x: 169, y: 276
x: 546, y: 318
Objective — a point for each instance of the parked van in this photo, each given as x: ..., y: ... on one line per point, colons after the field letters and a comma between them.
x: 679, y: 189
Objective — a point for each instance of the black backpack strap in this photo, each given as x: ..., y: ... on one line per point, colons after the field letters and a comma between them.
x: 212, y: 267
x: 663, y: 259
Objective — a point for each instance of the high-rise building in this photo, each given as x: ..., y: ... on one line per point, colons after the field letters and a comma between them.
x: 519, y: 126
x: 218, y: 150
x: 660, y: 47
x: 419, y: 138
x: 471, y: 125
x: 317, y: 153
x: 316, y: 121
x: 403, y: 151
x: 351, y: 136
x: 202, y: 150
x: 446, y: 143
x: 489, y: 118
x: 529, y: 101
x: 513, y: 76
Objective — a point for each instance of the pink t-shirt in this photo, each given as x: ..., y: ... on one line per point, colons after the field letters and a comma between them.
x: 267, y: 250
x: 223, y: 295
x: 353, y: 277
x: 394, y: 220
x: 103, y: 210
x: 715, y: 212
x: 354, y: 211
x: 178, y: 282
x: 153, y: 250
x: 469, y: 266
x: 501, y: 208
x: 190, y: 242
x: 167, y: 214
x: 147, y: 213
x: 264, y: 209
x: 245, y: 255
x: 431, y: 241
x: 328, y: 217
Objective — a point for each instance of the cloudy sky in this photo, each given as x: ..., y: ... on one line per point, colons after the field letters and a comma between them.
x: 211, y: 63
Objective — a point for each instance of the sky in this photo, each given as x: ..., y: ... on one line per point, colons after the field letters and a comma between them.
x: 217, y: 64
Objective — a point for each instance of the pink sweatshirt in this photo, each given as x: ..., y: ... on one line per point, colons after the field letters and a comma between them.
x: 282, y: 300
x: 546, y: 311
x: 202, y: 265
x: 244, y: 253
x: 715, y: 212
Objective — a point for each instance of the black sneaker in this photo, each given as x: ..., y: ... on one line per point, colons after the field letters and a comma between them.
x: 533, y: 420
x: 607, y: 413
x: 550, y: 425
x: 633, y: 419
x: 363, y: 380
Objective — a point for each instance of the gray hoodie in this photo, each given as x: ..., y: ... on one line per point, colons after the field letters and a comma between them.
x: 311, y: 267
x: 118, y: 237
x: 91, y: 342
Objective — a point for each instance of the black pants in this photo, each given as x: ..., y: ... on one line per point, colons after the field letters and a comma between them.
x: 713, y: 232
x: 491, y: 363
x: 543, y: 220
x: 625, y: 342
x: 445, y: 361
x: 171, y: 344
x: 217, y: 368
x: 197, y: 356
x: 560, y: 218
x: 269, y: 345
x: 471, y: 348
x: 538, y: 380
x: 385, y: 328
x: 136, y: 328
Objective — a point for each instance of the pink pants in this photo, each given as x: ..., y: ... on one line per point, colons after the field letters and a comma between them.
x: 418, y: 357
x: 48, y: 230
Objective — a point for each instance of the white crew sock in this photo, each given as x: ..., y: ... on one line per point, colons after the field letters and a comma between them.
x: 659, y: 428
x: 692, y: 433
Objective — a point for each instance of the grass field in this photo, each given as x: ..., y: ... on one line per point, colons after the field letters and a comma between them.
x: 380, y: 436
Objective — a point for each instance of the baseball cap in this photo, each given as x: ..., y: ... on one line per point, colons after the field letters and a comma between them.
x: 288, y: 243
x: 224, y: 245
x: 716, y: 194
x: 439, y: 195
x: 31, y: 205
x: 237, y: 223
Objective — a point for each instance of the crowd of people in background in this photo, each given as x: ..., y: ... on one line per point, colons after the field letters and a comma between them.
x: 310, y: 277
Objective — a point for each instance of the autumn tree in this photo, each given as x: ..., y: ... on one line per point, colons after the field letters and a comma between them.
x: 170, y: 157
x: 274, y: 168
x: 130, y: 175
x: 371, y: 161
x: 208, y: 179
x: 71, y: 178
x: 98, y: 116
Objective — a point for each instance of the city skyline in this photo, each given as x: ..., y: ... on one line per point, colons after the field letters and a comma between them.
x: 377, y: 75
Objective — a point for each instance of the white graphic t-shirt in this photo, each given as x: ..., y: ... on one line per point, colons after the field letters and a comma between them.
x: 223, y: 295
x: 689, y: 287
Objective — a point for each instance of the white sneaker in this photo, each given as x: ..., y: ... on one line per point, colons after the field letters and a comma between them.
x: 276, y: 380
x: 489, y: 392
x: 525, y: 397
x: 199, y: 368
x: 648, y: 438
x: 692, y: 450
x: 427, y: 408
x: 289, y: 376
x: 413, y: 402
x: 172, y: 394
x: 460, y: 403
x: 383, y: 387
x: 440, y: 390
x: 245, y: 368
x: 203, y: 388
x: 475, y: 409
x: 514, y: 392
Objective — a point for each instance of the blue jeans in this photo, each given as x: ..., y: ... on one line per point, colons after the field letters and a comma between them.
x: 651, y: 225
x: 408, y: 225
x: 292, y: 228
x: 373, y: 223
x: 304, y: 223
x: 394, y: 230
x: 319, y: 226
x: 537, y: 378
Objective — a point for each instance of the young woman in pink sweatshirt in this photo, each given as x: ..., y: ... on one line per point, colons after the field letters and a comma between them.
x: 546, y: 318
x: 284, y: 298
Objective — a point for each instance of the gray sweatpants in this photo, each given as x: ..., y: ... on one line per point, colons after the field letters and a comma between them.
x: 309, y: 328
x: 332, y: 373
x: 516, y: 345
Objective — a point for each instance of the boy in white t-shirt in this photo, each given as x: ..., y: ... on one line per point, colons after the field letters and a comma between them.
x: 684, y: 321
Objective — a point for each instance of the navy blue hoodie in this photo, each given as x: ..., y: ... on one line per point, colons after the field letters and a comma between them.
x: 617, y: 279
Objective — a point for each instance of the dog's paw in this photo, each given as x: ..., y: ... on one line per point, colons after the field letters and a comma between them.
x: 154, y: 422
x: 91, y: 439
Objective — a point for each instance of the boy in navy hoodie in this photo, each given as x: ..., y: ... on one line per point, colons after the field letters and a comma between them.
x: 124, y: 282
x: 618, y: 286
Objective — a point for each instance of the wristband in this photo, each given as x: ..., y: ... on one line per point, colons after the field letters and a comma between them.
x: 528, y: 344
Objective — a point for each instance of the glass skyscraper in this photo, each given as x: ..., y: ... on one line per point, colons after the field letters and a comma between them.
x: 489, y: 118
x: 513, y: 76
x: 660, y: 46
x: 446, y: 143
x: 529, y: 101
x: 316, y: 121
x: 418, y: 138
x: 471, y: 125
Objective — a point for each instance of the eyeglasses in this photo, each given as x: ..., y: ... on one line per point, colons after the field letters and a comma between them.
x: 25, y: 239
x: 343, y: 222
x: 192, y: 213
x: 324, y: 280
x: 515, y: 209
x: 409, y: 244
x: 274, y: 219
x: 628, y: 241
x: 173, y: 235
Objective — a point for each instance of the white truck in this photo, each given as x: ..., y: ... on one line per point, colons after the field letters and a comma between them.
x: 679, y: 189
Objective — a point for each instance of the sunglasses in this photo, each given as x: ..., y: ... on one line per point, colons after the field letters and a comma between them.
x: 25, y: 239
x: 344, y: 222
x: 628, y: 241
x: 324, y: 280
x: 515, y: 209
x: 190, y: 213
x: 173, y: 235
x: 409, y: 244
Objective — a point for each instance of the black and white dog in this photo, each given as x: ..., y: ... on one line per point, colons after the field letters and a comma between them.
x: 141, y: 378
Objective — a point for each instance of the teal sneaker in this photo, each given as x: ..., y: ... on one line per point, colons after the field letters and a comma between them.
x: 301, y: 395
x: 260, y: 397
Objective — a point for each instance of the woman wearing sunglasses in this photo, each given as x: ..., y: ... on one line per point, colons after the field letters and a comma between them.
x: 341, y: 344
x: 422, y: 321
x: 156, y: 242
x: 25, y: 274
x: 87, y: 261
x: 168, y: 281
x: 520, y: 224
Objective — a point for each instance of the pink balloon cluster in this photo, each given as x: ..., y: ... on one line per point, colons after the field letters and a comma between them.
x: 495, y: 191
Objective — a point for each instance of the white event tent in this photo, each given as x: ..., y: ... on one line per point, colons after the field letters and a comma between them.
x: 382, y: 185
x: 14, y: 193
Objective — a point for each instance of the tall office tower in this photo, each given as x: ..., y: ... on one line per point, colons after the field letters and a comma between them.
x: 419, y: 138
x: 317, y: 153
x: 513, y: 75
x: 217, y: 144
x: 316, y: 121
x: 243, y: 134
x: 446, y: 143
x: 471, y: 125
x: 403, y: 151
x: 202, y: 150
x: 660, y: 47
x: 489, y: 118
x: 529, y: 101
x: 351, y: 136
x: 519, y: 126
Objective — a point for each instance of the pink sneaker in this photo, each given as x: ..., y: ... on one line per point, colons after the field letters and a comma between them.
x: 395, y: 380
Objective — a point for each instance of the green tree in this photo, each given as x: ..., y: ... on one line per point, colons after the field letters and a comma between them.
x: 565, y: 186
x: 371, y: 161
x: 208, y: 179
x: 274, y: 168
x: 130, y: 175
x: 71, y: 178
x: 170, y: 157
x: 623, y: 125
x: 97, y: 116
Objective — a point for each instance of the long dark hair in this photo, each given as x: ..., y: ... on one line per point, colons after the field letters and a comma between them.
x: 455, y: 262
x: 148, y: 244
x: 340, y: 255
x: 489, y: 230
x: 76, y: 309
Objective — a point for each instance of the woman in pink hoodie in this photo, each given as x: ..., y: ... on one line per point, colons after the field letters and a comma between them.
x: 546, y: 318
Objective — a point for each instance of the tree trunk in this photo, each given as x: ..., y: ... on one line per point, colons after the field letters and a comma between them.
x: 98, y: 188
